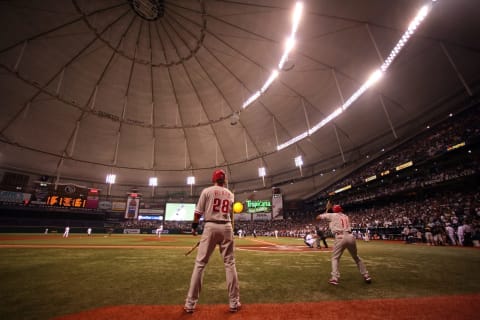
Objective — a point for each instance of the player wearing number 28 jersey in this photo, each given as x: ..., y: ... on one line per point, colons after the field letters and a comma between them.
x: 215, y: 205
x: 340, y: 227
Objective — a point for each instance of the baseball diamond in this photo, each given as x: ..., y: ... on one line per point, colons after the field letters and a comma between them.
x: 239, y: 159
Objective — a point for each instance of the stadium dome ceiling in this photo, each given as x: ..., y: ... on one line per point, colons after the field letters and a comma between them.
x: 146, y: 88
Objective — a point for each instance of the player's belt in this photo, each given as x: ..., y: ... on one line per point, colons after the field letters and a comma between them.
x: 218, y: 221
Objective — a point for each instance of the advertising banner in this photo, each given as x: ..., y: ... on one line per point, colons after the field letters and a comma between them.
x: 254, y: 206
x: 262, y: 216
x: 107, y: 205
x: 242, y: 216
x: 277, y: 206
x: 131, y: 211
x: 14, y: 197
x: 118, y: 206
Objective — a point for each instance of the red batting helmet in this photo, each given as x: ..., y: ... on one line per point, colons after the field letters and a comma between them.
x: 337, y: 208
x: 218, y: 175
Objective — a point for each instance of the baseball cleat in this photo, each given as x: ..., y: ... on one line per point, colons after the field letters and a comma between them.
x: 367, y: 279
x: 333, y: 281
x: 188, y: 310
x: 236, y: 308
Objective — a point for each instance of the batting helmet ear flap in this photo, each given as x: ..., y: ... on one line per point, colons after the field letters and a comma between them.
x: 337, y: 208
x: 218, y: 175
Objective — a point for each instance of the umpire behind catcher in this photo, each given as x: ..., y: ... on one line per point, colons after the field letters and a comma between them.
x: 340, y: 227
x: 215, y: 205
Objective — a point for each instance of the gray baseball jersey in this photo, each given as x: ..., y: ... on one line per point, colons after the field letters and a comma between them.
x: 339, y: 222
x: 215, y: 204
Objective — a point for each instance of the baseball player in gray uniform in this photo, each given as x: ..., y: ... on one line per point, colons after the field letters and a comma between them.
x: 215, y: 205
x: 340, y: 227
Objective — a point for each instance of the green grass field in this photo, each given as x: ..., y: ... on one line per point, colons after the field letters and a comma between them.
x: 41, y: 283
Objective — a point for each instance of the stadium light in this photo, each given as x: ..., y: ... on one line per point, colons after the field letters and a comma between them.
x: 374, y: 77
x: 290, y: 43
x: 262, y: 172
x: 298, y: 161
x: 153, y: 182
x: 191, y: 180
x: 111, y: 178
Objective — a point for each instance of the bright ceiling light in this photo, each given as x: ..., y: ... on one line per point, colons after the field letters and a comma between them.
x: 412, y: 27
x: 153, y: 182
x: 111, y: 178
x: 329, y: 118
x: 292, y: 141
x: 267, y: 84
x: 297, y: 15
x: 251, y: 99
x: 191, y: 180
x: 298, y: 161
x: 289, y: 44
x: 374, y: 77
x: 262, y: 172
x: 283, y: 60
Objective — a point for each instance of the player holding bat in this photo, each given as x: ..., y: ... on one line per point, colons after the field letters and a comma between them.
x: 215, y: 205
x: 340, y: 227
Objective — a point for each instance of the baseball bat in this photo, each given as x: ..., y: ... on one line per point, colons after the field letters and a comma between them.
x: 193, y: 248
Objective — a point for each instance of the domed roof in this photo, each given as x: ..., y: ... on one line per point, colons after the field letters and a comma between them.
x: 170, y: 89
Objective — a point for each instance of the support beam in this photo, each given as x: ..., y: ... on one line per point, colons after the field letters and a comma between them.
x: 339, y: 144
x: 246, y: 145
x: 306, y: 115
x: 380, y: 57
x: 20, y: 56
x: 154, y: 140
x: 26, y: 110
x: 117, y: 144
x: 60, y: 80
x: 74, y: 139
x: 457, y: 72
x: 275, y: 131
x: 334, y: 74
x: 388, y: 117
x: 94, y: 97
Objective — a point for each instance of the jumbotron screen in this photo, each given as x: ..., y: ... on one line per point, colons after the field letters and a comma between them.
x: 179, y: 211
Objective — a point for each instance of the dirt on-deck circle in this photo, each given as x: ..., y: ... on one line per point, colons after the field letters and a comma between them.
x: 430, y: 308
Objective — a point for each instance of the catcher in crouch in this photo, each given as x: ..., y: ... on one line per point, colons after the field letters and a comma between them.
x: 215, y: 205
x: 340, y: 227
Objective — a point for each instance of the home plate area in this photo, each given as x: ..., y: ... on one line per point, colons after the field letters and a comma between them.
x: 284, y: 248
